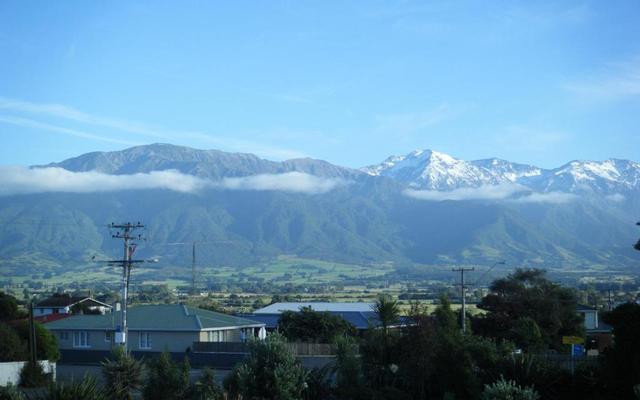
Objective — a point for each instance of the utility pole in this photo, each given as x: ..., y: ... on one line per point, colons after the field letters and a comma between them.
x: 126, y: 233
x: 193, y: 269
x: 463, y: 317
x: 33, y: 348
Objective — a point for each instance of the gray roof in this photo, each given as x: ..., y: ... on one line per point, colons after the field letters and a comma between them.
x: 278, y: 308
x: 160, y: 317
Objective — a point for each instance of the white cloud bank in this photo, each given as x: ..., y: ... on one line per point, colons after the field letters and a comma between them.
x: 510, y: 192
x: 21, y: 180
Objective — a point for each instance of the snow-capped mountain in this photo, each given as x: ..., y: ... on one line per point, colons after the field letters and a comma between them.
x: 432, y: 170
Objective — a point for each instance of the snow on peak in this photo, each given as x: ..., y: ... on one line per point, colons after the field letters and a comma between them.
x: 433, y: 170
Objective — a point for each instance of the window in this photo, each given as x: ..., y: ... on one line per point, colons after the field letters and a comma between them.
x: 145, y: 340
x: 217, y: 336
x: 63, y: 335
x: 108, y: 336
x: 81, y: 339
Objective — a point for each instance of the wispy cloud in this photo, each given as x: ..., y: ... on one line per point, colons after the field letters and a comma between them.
x: 22, y: 180
x: 93, y: 121
x: 289, y: 182
x: 488, y: 192
x: 615, y: 81
x: 29, y: 123
x: 616, y: 198
x: 509, y: 192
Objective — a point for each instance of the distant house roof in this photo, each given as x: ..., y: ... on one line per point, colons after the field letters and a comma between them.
x: 161, y: 317
x: 278, y: 308
x: 67, y: 300
x: 360, y: 320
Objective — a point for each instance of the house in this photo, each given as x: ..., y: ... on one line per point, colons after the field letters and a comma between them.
x: 360, y: 315
x: 67, y: 304
x: 151, y: 329
x: 598, y: 333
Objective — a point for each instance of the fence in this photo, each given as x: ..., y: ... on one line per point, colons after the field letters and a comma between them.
x: 299, y: 349
x: 568, y: 362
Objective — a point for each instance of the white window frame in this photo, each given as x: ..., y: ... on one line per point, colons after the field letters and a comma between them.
x: 81, y: 339
x: 144, y: 341
x: 218, y: 336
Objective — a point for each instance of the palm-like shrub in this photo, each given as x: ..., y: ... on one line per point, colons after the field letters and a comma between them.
x: 86, y: 389
x: 122, y: 374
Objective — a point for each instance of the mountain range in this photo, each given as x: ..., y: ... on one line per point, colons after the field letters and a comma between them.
x: 416, y: 210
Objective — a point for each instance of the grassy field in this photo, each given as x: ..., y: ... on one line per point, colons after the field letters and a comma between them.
x: 287, y: 269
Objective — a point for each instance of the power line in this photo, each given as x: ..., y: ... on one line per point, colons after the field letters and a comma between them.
x: 193, y: 257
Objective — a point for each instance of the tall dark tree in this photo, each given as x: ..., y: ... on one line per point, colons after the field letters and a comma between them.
x: 622, y: 360
x: 527, y: 298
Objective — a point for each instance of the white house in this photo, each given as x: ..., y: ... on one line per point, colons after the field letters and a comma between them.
x: 67, y: 304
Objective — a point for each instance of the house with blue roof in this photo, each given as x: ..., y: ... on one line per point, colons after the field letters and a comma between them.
x: 360, y: 315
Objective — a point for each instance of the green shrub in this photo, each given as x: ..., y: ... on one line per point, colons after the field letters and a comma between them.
x: 32, y: 375
x: 508, y: 390
x: 86, y: 389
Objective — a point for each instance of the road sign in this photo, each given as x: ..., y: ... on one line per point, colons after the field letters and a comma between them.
x: 572, y: 340
x: 577, y: 350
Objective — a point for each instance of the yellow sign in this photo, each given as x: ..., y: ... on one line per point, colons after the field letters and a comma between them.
x: 572, y: 340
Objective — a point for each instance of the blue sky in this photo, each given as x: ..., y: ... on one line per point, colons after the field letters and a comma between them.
x: 348, y: 82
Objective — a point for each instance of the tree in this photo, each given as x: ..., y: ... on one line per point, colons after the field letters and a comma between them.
x: 9, y: 308
x: 47, y: 343
x: 165, y: 379
x: 622, y: 360
x: 308, y: 325
x: 387, y: 310
x: 527, y: 293
x: 270, y: 371
x: 122, y: 374
x: 12, y: 348
x: 347, y: 363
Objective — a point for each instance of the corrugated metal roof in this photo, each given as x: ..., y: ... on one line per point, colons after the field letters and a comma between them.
x: 277, y: 308
x: 160, y: 317
x: 360, y: 320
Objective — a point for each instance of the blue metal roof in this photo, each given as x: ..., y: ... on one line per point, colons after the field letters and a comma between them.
x: 360, y: 320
